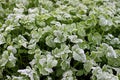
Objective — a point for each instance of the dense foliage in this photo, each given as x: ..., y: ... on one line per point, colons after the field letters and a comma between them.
x: 59, y: 39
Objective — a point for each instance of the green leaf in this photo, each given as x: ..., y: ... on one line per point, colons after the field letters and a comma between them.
x: 1, y: 72
x: 34, y: 34
x: 88, y: 65
x: 50, y: 41
x: 62, y: 52
x: 68, y: 75
x: 74, y: 39
x: 96, y: 38
x: 31, y: 73
x: 111, y: 52
x: 4, y: 59
x: 12, y: 60
x: 2, y: 39
x: 22, y: 41
x: 12, y: 49
x: 60, y: 36
x: 78, y: 54
x: 81, y: 31
x: 102, y: 75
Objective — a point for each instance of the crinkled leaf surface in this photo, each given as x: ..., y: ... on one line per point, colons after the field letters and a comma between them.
x: 59, y: 39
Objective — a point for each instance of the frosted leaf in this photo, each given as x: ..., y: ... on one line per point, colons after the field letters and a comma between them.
x: 11, y: 48
x: 111, y: 52
x: 78, y: 54
x: 2, y: 39
x: 74, y: 39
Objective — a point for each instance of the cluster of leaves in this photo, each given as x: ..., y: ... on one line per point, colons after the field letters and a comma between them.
x: 59, y: 39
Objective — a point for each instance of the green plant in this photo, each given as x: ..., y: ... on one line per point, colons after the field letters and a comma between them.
x: 59, y: 40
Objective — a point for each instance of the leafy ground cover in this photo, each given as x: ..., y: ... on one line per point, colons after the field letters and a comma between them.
x: 59, y: 39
